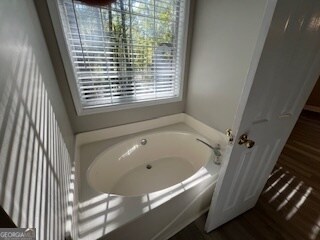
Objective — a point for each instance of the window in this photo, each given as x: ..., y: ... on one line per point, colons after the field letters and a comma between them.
x: 129, y: 53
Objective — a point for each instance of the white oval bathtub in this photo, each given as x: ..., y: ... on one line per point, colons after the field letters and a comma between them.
x: 130, y: 168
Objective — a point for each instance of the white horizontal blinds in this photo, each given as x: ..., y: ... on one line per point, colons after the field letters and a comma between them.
x: 130, y: 51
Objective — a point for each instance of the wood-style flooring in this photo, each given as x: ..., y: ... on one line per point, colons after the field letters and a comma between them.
x: 289, y: 206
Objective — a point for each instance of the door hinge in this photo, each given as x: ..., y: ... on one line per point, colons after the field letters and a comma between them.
x: 229, y: 135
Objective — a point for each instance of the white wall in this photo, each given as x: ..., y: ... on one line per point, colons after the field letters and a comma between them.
x: 224, y: 37
x: 36, y: 138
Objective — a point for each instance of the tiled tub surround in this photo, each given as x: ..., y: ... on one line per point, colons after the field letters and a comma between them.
x: 155, y: 215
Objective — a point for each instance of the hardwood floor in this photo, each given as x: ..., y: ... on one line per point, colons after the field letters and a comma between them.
x: 289, y: 206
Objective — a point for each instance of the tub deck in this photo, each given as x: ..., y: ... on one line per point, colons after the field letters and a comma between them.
x: 105, y: 215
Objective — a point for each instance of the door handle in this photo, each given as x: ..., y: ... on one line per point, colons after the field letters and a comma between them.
x: 247, y: 142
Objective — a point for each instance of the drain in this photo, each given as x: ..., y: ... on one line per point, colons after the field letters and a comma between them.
x: 148, y: 166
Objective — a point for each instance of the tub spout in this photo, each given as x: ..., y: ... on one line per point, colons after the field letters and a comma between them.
x: 217, y: 154
x: 216, y: 151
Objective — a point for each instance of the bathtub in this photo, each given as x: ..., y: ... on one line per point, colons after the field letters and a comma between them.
x: 148, y: 185
x: 148, y: 163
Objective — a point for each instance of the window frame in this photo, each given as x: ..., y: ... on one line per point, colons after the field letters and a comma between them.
x: 71, y: 75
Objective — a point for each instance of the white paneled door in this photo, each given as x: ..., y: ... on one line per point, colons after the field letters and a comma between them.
x: 284, y: 70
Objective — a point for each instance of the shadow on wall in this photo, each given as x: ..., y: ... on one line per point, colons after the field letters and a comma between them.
x: 34, y: 161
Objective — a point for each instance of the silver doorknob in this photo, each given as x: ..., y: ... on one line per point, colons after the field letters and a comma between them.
x: 247, y: 142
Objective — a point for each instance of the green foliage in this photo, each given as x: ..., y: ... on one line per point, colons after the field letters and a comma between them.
x: 138, y: 34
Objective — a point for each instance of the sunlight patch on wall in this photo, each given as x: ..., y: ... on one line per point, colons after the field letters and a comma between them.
x: 35, y: 164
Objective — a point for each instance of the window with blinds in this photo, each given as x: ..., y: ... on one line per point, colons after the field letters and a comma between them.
x: 128, y: 52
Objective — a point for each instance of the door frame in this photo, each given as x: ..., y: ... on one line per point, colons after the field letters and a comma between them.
x: 264, y: 30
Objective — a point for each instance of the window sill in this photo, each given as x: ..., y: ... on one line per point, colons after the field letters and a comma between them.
x: 95, y: 110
